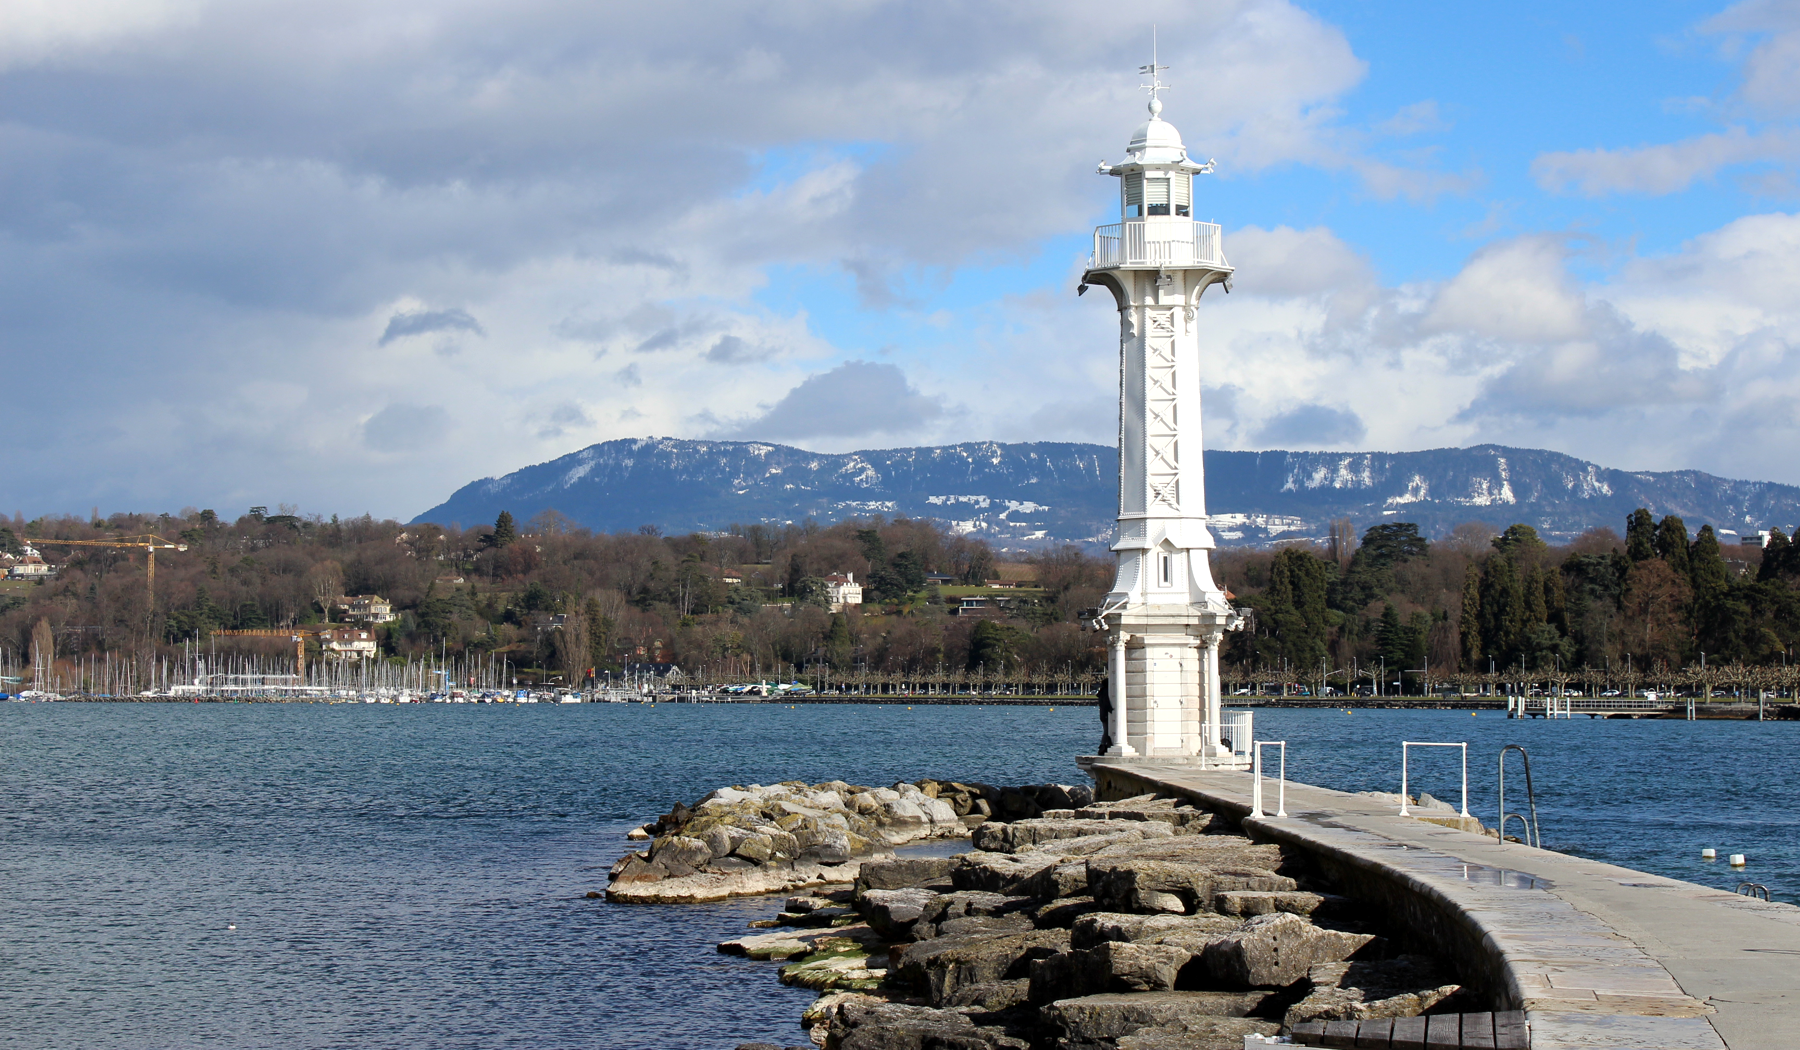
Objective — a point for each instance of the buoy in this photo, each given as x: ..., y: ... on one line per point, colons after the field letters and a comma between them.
x: 1737, y: 860
x: 1471, y: 714
x: 1709, y: 854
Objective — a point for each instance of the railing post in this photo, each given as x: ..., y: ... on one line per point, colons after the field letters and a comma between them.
x: 1465, y: 780
x: 1403, y: 746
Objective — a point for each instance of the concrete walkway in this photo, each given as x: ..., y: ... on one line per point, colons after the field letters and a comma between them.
x: 1598, y: 956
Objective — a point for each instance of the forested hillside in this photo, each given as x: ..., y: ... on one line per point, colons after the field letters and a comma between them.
x: 751, y: 600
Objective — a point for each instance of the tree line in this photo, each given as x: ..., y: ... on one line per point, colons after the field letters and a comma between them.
x: 550, y: 595
x: 1509, y: 601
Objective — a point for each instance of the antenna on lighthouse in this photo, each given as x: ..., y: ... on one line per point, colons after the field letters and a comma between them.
x: 1152, y: 71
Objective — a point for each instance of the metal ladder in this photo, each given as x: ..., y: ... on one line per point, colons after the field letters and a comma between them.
x: 1533, y: 837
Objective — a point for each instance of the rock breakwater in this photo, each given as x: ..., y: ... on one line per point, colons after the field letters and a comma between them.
x: 1144, y: 924
x: 756, y: 839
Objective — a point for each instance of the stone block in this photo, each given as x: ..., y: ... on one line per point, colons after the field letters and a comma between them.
x: 1113, y: 966
x: 1193, y: 932
x: 1248, y: 903
x: 1274, y: 951
x: 940, y: 968
x: 1109, y: 1016
x: 894, y: 912
x: 1208, y: 1033
x: 1405, y: 986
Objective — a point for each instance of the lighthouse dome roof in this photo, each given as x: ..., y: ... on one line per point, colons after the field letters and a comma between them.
x: 1156, y: 141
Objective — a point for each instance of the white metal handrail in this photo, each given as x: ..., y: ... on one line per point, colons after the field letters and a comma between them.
x: 1256, y: 791
x: 1404, y: 744
x: 1157, y: 242
x: 1236, y: 731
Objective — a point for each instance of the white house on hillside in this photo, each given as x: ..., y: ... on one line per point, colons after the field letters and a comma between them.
x: 842, y: 590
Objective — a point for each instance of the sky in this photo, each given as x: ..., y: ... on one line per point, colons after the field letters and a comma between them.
x: 351, y: 256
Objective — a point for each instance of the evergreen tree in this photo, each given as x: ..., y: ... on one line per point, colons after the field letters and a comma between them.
x: 872, y: 547
x: 910, y: 568
x: 505, y: 532
x: 1518, y: 539
x: 1503, y: 610
x: 1672, y: 543
x: 994, y: 646
x: 1392, y: 543
x: 1774, y: 557
x: 1469, y: 632
x: 1295, y: 606
x: 1536, y: 610
x: 1706, y: 567
x: 1640, y: 535
x: 837, y: 642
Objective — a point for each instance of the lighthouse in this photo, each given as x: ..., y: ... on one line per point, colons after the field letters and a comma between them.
x: 1165, y: 616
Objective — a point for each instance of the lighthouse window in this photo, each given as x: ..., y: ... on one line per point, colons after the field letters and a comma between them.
x: 1180, y: 187
x: 1134, y: 196
x: 1156, y: 196
x: 1167, y: 573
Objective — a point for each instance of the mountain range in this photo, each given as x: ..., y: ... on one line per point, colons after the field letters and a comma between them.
x: 1037, y: 493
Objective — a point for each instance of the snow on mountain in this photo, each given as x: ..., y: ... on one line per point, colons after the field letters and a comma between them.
x: 1030, y: 494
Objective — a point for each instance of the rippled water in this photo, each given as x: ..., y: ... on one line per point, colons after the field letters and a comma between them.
x: 413, y: 876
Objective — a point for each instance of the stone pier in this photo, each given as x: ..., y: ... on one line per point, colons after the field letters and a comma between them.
x: 1598, y: 956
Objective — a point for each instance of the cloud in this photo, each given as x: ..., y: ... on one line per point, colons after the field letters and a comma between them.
x: 1661, y: 169
x: 1286, y: 261
x: 628, y: 376
x: 854, y: 400
x: 1311, y: 426
x: 424, y: 322
x: 1516, y: 290
x: 1769, y: 88
x: 403, y: 427
x: 732, y: 350
x: 558, y: 420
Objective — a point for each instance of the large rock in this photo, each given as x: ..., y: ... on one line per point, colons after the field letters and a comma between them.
x: 1295, y: 902
x: 843, y: 965
x: 1203, y: 1033
x: 895, y: 1026
x: 718, y: 886
x: 940, y: 968
x: 1113, y: 966
x: 947, y: 908
x: 793, y: 944
x: 998, y: 872
x: 1106, y: 1017
x: 1193, y: 932
x: 1062, y: 912
x: 1138, y: 884
x: 894, y: 912
x: 1273, y: 951
x: 897, y: 873
x: 1025, y: 834
x: 1406, y: 986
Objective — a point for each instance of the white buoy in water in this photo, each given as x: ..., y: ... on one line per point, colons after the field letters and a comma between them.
x: 1737, y: 860
x: 1709, y: 854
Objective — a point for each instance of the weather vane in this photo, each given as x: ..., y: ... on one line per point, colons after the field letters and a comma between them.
x: 1153, y: 71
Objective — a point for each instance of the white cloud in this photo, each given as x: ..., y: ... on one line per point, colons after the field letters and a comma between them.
x: 1515, y: 290
x: 1661, y: 169
x: 855, y: 401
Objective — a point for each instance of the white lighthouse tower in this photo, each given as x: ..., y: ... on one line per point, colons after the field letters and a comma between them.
x: 1165, y: 616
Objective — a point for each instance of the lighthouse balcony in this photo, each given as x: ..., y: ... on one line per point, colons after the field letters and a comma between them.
x: 1157, y: 243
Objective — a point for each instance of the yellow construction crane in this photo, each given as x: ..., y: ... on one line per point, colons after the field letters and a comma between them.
x: 297, y: 637
x: 150, y: 544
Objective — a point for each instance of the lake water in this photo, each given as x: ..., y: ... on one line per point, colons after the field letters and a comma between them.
x: 413, y: 876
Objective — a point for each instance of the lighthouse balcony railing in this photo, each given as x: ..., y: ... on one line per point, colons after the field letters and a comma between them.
x: 1155, y: 243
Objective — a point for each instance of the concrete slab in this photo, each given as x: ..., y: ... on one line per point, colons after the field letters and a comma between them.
x: 1598, y: 955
